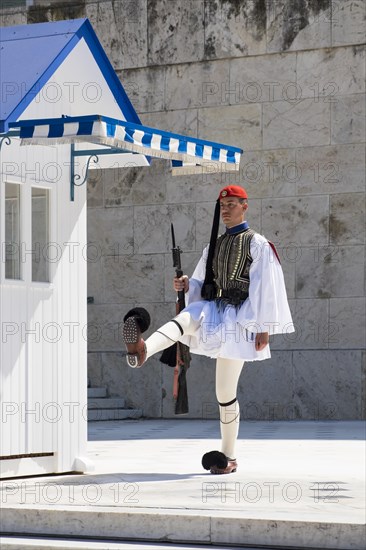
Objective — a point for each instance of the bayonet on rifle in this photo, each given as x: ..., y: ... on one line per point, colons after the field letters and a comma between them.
x: 176, y: 252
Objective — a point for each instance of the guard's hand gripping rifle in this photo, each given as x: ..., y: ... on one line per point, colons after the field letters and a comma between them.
x: 178, y: 355
x: 176, y: 252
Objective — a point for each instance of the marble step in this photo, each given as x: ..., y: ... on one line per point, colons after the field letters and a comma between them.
x: 97, y: 392
x: 189, y: 527
x: 95, y: 415
x: 51, y: 543
x: 106, y: 403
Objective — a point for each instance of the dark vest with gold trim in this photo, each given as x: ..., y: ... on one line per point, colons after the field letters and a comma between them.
x: 231, y: 263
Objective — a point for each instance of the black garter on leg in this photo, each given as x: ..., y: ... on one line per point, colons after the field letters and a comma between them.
x: 228, y: 403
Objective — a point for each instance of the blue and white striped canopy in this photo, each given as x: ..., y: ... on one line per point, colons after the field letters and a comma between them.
x: 193, y: 155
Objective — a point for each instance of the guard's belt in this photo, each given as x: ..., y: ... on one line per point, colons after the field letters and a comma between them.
x: 233, y: 295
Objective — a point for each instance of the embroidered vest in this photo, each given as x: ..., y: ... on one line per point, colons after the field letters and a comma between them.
x: 231, y: 263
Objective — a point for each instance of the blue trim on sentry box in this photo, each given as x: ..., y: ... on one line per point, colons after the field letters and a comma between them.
x: 78, y: 29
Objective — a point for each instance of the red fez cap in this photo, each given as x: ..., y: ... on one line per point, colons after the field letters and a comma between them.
x: 233, y: 191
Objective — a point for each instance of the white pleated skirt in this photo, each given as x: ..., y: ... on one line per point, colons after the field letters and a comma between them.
x: 223, y: 332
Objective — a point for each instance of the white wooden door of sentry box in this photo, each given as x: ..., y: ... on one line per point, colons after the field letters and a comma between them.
x: 27, y: 304
x: 43, y: 313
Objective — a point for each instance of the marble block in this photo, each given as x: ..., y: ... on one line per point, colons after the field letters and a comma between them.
x: 329, y: 170
x: 129, y: 278
x: 254, y: 214
x: 295, y: 124
x: 298, y: 25
x: 347, y: 319
x: 347, y: 218
x: 110, y: 232
x: 270, y: 173
x: 200, y: 187
x: 95, y: 188
x: 196, y: 85
x: 288, y: 256
x: 317, y: 31
x: 326, y: 74
x: 176, y: 32
x: 238, y: 125
x: 145, y: 88
x: 234, y: 29
x: 348, y: 22
x: 43, y: 11
x: 330, y: 271
x: 290, y: 221
x: 312, y: 327
x: 122, y: 29
x: 12, y: 16
x: 95, y: 280
x: 134, y: 186
x: 183, y: 121
x: 259, y: 79
x: 95, y: 369
x: 105, y: 323
x: 152, y: 227
x: 349, y: 119
x: 327, y: 384
x: 256, y: 397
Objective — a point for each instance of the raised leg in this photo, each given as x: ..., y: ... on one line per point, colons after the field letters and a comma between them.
x: 140, y: 350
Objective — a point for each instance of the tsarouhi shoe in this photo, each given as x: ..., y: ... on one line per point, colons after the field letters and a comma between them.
x: 136, y: 321
x: 218, y: 463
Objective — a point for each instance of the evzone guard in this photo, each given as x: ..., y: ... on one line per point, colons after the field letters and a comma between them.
x: 236, y: 299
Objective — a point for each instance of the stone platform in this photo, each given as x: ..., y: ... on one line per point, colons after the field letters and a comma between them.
x: 299, y: 484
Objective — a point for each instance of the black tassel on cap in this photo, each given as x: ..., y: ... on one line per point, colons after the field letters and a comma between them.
x: 208, y: 291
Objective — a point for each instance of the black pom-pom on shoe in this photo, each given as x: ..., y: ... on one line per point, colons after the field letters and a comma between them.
x: 214, y: 458
x: 142, y: 317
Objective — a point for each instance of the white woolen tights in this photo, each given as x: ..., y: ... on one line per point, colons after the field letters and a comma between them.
x: 227, y: 377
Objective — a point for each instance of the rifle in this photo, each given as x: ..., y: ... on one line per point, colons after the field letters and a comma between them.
x: 178, y: 355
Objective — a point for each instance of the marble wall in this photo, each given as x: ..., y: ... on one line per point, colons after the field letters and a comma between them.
x: 286, y: 82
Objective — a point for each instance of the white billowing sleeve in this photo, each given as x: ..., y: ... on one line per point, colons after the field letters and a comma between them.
x: 267, y: 291
x: 196, y: 281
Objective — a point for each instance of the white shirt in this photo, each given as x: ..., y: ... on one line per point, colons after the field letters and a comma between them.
x: 231, y: 332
